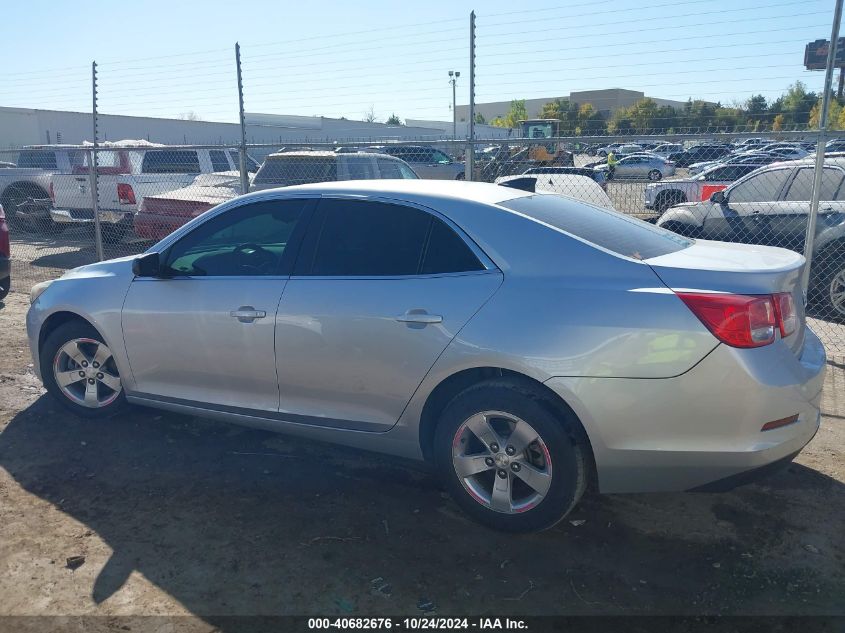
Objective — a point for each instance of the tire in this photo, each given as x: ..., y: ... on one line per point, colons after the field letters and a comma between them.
x: 557, y: 461
x: 828, y: 286
x: 654, y: 175
x: 668, y: 199
x: 5, y: 286
x: 460, y: 176
x: 55, y: 362
x: 19, y: 195
x: 113, y: 233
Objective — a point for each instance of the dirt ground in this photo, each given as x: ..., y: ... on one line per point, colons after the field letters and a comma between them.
x: 179, y: 515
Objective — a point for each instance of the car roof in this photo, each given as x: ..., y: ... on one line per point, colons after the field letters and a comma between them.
x: 325, y: 154
x: 414, y: 190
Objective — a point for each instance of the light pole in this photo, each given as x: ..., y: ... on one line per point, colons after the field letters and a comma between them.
x: 454, y: 74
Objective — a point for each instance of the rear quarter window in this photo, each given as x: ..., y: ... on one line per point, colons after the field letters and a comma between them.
x: 296, y: 170
x: 607, y: 229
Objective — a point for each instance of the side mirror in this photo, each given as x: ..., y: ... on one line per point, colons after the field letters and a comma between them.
x: 718, y: 197
x: 147, y: 265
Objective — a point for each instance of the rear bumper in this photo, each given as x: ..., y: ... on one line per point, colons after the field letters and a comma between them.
x: 153, y: 226
x: 704, y: 426
x: 86, y: 216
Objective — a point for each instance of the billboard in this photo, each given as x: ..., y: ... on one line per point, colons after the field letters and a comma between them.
x: 815, y: 54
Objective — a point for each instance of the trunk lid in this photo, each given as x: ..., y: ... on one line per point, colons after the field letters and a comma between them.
x: 739, y: 269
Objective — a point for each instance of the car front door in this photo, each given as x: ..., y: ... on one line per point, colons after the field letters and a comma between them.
x: 422, y: 160
x: 744, y: 216
x: 203, y: 332
x: 379, y: 290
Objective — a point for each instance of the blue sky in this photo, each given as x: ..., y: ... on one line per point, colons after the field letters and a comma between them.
x: 161, y: 58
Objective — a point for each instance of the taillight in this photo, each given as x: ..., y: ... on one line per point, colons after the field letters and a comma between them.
x: 52, y: 193
x: 5, y: 247
x: 736, y: 320
x: 786, y: 315
x: 125, y: 195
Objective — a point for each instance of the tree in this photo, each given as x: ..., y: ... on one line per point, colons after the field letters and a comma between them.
x: 370, y: 115
x: 479, y: 119
x: 589, y: 120
x: 516, y: 114
x: 393, y: 120
x: 777, y: 124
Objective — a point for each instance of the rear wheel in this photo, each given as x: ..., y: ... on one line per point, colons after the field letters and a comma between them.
x: 5, y: 286
x: 668, y: 199
x: 655, y: 175
x: 507, y: 459
x: 827, y: 292
x: 79, y: 370
x: 460, y: 176
x: 25, y: 214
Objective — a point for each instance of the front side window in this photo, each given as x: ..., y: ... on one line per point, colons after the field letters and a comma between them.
x: 440, y: 157
x: 171, y: 162
x: 394, y: 169
x: 801, y: 189
x: 356, y: 238
x: 764, y: 187
x: 247, y: 241
x: 359, y: 168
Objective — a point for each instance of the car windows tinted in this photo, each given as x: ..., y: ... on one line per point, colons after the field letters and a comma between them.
x: 171, y: 162
x: 296, y: 170
x: 801, y: 188
x: 605, y: 228
x: 354, y: 238
x: 37, y: 160
x: 218, y: 160
x: 359, y: 168
x: 764, y: 187
x: 246, y: 241
x: 394, y: 169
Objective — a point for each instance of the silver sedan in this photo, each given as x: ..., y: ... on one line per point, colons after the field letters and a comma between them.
x: 641, y: 167
x: 527, y: 346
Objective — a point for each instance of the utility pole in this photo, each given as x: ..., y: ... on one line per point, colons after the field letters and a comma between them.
x: 93, y: 176
x: 454, y: 74
x: 470, y: 154
x: 242, y: 153
x: 841, y: 83
x: 810, y: 237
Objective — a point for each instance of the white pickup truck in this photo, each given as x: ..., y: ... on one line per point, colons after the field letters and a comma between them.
x: 25, y: 187
x: 659, y: 196
x: 125, y: 175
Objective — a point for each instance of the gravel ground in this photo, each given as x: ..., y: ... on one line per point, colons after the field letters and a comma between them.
x: 179, y: 515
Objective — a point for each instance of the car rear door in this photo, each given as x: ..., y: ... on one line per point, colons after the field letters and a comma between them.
x: 203, y: 334
x: 378, y: 292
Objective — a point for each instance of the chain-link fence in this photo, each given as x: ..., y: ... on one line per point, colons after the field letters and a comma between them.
x: 747, y: 190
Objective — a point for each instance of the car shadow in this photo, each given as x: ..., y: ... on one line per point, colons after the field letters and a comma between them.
x: 232, y: 521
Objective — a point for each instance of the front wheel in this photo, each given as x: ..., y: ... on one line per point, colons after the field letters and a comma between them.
x: 655, y: 175
x: 827, y: 292
x: 5, y: 286
x: 508, y: 458
x: 79, y: 370
x: 460, y: 176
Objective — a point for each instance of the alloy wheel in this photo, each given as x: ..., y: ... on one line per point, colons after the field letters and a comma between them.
x: 836, y: 292
x: 502, y: 462
x: 86, y: 374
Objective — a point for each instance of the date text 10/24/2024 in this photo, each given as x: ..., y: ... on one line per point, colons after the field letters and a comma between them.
x: 418, y: 623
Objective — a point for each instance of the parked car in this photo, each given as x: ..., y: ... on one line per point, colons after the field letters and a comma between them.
x: 163, y: 213
x: 604, y: 151
x: 303, y: 167
x: 477, y: 327
x: 428, y: 162
x: 771, y: 206
x: 834, y: 145
x: 640, y: 166
x: 786, y: 153
x: 659, y: 196
x: 576, y: 186
x: 666, y: 149
x: 599, y: 176
x: 25, y: 188
x: 128, y: 172
x: 5, y: 257
x: 699, y: 153
x: 749, y: 158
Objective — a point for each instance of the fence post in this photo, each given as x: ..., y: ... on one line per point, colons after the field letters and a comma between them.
x: 242, y: 152
x: 95, y: 194
x: 470, y: 153
x: 810, y: 237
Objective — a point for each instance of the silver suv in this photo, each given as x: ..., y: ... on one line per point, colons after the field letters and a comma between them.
x: 429, y: 162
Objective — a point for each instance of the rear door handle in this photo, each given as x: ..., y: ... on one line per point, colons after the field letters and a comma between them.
x: 415, y: 316
x: 247, y: 314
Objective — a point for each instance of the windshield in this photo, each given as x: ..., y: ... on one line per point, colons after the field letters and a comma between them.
x: 538, y: 130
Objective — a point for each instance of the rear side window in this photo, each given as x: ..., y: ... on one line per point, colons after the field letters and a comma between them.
x: 218, y: 160
x: 764, y: 187
x: 801, y: 189
x: 37, y: 160
x: 359, y: 168
x: 608, y: 229
x: 296, y: 170
x: 171, y: 162
x: 394, y: 169
x: 356, y: 238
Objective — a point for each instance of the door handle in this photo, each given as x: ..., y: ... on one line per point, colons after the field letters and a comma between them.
x: 415, y: 316
x: 247, y: 314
